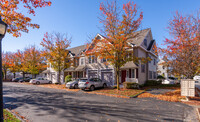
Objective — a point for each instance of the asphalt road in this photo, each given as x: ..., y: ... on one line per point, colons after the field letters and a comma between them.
x: 40, y: 104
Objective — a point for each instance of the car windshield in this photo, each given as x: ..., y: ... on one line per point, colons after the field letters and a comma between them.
x: 83, y: 80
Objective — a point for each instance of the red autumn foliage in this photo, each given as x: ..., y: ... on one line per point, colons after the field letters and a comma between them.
x: 183, y: 49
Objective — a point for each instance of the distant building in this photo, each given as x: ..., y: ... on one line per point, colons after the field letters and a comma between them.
x: 162, y: 69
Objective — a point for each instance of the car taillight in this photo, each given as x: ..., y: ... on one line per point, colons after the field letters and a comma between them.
x: 86, y: 83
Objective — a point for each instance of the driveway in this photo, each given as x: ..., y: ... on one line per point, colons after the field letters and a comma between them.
x: 40, y: 104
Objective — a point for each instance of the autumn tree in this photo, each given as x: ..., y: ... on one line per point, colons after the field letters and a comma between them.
x: 119, y: 26
x: 55, y: 50
x: 34, y: 62
x: 183, y: 48
x: 18, y: 22
x: 14, y: 63
x: 5, y: 63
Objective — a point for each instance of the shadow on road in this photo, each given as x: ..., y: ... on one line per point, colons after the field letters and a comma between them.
x: 73, y: 106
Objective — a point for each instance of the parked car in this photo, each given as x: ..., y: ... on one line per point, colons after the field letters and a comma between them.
x: 91, y: 84
x: 17, y: 79
x: 72, y: 84
x: 197, y: 77
x: 26, y: 79
x: 40, y: 80
x: 168, y: 81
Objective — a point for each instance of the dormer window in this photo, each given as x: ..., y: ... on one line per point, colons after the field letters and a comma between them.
x: 145, y: 42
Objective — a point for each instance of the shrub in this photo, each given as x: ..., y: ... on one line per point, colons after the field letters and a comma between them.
x: 114, y: 87
x: 68, y: 78
x: 152, y: 83
x: 130, y: 85
x: 160, y: 77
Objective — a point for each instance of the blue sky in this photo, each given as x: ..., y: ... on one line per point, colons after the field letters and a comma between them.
x: 79, y: 19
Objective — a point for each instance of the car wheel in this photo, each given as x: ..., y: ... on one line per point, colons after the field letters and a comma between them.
x: 50, y: 82
x: 76, y: 86
x: 92, y: 88
x: 104, y: 85
x: 37, y: 82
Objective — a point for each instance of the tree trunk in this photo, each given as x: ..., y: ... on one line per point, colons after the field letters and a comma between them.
x: 5, y: 74
x: 117, y: 79
x: 23, y: 75
x: 59, y: 77
x: 14, y: 74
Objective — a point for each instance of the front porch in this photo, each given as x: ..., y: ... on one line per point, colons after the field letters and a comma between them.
x: 129, y: 73
x: 76, y: 73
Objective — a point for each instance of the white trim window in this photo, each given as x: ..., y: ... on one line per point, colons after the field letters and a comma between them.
x: 132, y: 73
x: 92, y: 59
x: 143, y: 68
x: 82, y: 61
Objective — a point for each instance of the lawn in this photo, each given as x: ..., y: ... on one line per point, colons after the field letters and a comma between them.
x: 8, y: 117
x: 123, y: 93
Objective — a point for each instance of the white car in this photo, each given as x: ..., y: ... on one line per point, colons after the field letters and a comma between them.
x: 168, y: 81
x: 197, y: 77
x: 40, y: 80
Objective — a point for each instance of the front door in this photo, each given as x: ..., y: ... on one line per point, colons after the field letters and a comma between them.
x: 123, y: 76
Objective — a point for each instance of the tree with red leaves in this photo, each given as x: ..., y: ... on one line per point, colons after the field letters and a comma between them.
x: 183, y: 49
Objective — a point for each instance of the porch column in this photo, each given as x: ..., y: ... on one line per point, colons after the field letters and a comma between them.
x: 135, y: 73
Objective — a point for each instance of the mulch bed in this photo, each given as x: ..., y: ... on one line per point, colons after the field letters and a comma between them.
x: 122, y: 93
x: 172, y: 96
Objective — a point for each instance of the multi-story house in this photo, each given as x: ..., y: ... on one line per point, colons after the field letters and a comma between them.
x: 91, y: 66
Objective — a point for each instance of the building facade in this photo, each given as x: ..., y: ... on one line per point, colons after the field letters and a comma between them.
x: 91, y: 66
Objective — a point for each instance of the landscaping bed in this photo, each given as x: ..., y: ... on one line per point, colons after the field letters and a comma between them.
x: 57, y: 86
x: 122, y: 93
x: 9, y: 117
x: 173, y: 96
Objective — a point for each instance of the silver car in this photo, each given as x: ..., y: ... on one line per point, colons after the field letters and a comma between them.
x: 73, y: 84
x: 91, y: 84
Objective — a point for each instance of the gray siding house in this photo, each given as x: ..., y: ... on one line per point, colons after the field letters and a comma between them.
x: 91, y: 66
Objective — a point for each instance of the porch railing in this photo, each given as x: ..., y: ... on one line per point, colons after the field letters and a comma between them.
x: 135, y: 80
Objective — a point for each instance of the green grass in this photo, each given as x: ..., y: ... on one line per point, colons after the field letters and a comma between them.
x: 9, y: 117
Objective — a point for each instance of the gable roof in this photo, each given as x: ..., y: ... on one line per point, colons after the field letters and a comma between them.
x: 77, y: 50
x: 140, y: 36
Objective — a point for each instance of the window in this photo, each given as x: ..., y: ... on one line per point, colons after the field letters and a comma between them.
x: 145, y: 42
x: 92, y: 59
x: 127, y: 73
x: 103, y: 60
x: 154, y: 75
x: 154, y: 61
x: 82, y: 61
x: 150, y: 58
x: 143, y: 68
x: 133, y: 73
x: 150, y: 74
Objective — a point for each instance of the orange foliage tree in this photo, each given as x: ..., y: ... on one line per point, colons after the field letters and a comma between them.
x: 183, y: 49
x: 14, y: 63
x: 34, y: 62
x: 18, y: 22
x: 5, y: 63
x: 118, y: 29
x: 55, y: 51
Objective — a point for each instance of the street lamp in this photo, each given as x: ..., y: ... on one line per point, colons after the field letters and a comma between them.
x: 3, y: 27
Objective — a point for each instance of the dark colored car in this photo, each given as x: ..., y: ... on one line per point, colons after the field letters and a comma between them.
x: 26, y: 79
x: 17, y: 79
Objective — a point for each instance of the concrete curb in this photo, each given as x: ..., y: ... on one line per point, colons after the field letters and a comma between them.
x: 16, y: 115
x: 135, y: 96
x: 198, y: 113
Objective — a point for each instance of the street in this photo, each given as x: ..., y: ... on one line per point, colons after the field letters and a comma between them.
x: 39, y: 104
